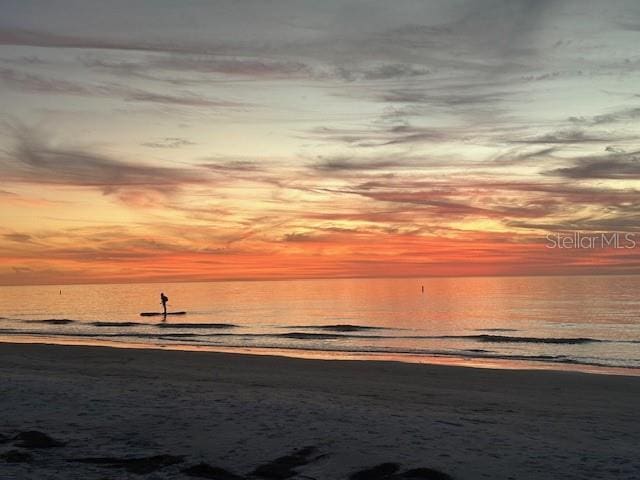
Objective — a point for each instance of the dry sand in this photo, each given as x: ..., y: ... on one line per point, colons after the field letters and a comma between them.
x: 239, y: 412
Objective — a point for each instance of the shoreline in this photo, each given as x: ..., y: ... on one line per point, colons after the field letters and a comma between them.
x: 493, y: 363
x: 239, y: 412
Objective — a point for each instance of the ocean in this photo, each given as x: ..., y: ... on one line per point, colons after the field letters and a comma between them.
x: 586, y: 323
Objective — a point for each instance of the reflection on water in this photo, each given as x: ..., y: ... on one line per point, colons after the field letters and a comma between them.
x: 557, y: 320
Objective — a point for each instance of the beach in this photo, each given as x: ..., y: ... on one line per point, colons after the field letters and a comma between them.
x: 110, y: 413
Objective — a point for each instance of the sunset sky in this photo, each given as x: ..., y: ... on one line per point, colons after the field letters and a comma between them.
x: 195, y: 140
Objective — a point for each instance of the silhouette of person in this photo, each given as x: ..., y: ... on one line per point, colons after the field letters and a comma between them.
x: 164, y: 299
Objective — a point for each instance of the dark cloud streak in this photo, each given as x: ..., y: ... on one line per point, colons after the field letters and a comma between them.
x: 36, y: 161
x: 613, y: 166
x: 28, y: 82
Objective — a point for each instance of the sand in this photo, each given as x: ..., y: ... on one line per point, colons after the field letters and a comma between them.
x: 238, y: 412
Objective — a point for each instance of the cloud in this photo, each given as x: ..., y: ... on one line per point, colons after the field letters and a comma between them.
x: 626, y: 114
x: 379, y: 72
x: 631, y: 26
x: 242, y: 173
x: 521, y: 155
x: 461, y: 204
x: 17, y: 237
x: 381, y: 136
x: 426, y: 103
x: 219, y: 58
x: 442, y: 97
x: 562, y: 137
x: 169, y: 142
x: 420, y: 202
x: 233, y: 66
x: 612, y: 222
x: 238, y: 166
x: 37, y: 161
x: 301, y: 237
x: 613, y: 166
x: 29, y: 82
x: 184, y: 98
x: 34, y: 38
x: 349, y: 164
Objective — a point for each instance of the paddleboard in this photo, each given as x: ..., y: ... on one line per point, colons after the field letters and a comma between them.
x: 160, y: 314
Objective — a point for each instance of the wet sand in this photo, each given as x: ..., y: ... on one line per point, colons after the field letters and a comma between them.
x: 122, y: 413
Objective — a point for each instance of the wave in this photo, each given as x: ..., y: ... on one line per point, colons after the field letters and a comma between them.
x: 52, y: 321
x: 116, y: 324
x: 311, y: 336
x: 341, y: 334
x: 149, y: 336
x: 337, y: 328
x: 195, y: 325
x: 485, y: 338
x: 496, y: 330
x: 479, y: 354
x: 67, y: 321
x: 511, y: 339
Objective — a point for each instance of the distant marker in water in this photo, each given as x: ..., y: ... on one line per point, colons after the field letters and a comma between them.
x: 422, y: 288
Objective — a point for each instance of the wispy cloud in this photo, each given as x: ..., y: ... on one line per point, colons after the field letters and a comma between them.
x: 29, y: 82
x: 36, y: 160
x: 612, y: 166
x: 382, y: 135
x: 622, y: 115
x: 169, y: 142
x: 35, y: 38
x: 17, y: 237
x: 571, y: 137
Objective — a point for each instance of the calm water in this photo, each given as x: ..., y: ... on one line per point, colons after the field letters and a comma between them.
x: 555, y: 322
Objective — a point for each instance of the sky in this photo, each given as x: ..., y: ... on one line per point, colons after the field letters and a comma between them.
x: 236, y: 139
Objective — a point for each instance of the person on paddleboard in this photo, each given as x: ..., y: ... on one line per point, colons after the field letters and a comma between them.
x: 164, y: 299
